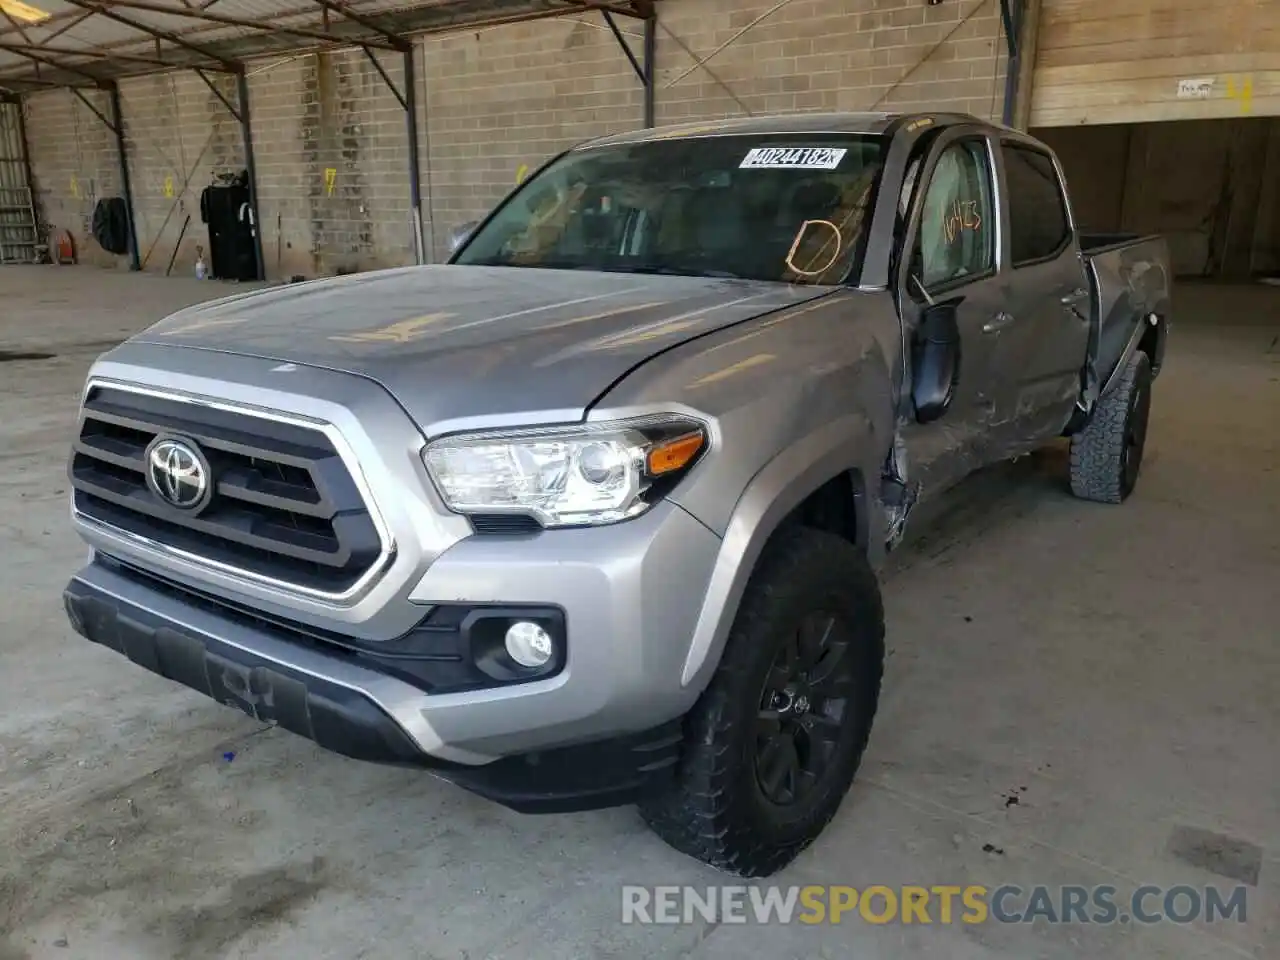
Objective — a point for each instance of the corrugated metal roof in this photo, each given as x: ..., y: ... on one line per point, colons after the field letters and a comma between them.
x: 82, y: 42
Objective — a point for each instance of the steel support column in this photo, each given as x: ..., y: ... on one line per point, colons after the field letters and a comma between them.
x: 25, y: 144
x: 246, y: 131
x: 1011, y: 17
x: 1028, y: 44
x: 650, y: 70
x: 126, y: 186
x: 410, y: 103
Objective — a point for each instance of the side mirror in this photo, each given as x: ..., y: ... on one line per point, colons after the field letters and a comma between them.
x: 935, y: 361
x: 458, y: 236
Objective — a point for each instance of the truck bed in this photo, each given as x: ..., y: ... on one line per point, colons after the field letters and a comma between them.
x: 1129, y: 281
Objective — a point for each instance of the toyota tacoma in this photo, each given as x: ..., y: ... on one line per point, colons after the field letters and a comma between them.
x: 590, y: 514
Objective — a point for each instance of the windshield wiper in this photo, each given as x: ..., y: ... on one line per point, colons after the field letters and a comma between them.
x: 652, y: 268
x: 670, y: 271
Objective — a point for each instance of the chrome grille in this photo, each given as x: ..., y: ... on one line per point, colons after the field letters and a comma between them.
x: 284, y: 505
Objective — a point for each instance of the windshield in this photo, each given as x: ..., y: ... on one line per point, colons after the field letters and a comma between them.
x: 789, y: 208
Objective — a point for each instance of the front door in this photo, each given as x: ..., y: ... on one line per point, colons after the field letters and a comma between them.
x: 953, y: 243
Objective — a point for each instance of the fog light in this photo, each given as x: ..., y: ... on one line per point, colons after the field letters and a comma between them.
x: 528, y: 644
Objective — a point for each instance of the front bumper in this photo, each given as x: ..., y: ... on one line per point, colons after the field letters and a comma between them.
x: 595, y: 733
x: 244, y: 666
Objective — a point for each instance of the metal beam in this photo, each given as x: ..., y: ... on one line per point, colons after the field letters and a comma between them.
x: 12, y: 85
x: 69, y: 25
x: 55, y: 65
x: 1028, y: 43
x: 622, y: 42
x: 621, y: 9
x: 90, y: 53
x: 109, y: 124
x: 1011, y: 18
x: 246, y: 131
x: 650, y: 69
x: 159, y: 34
x: 410, y: 103
x: 13, y: 22
x: 234, y: 110
x: 207, y: 17
x: 122, y: 153
x: 399, y: 42
x: 386, y: 78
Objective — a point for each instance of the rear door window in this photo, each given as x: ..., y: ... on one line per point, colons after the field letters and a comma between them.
x: 1038, y: 225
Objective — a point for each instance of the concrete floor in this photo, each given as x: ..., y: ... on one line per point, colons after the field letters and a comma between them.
x: 1116, y: 670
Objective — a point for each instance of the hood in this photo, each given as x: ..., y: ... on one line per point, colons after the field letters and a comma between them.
x: 452, y: 342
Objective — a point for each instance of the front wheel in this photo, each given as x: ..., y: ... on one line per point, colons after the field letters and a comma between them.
x: 772, y: 745
x: 1106, y: 456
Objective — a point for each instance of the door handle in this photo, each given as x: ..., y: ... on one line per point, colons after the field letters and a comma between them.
x: 1075, y: 296
x: 998, y: 322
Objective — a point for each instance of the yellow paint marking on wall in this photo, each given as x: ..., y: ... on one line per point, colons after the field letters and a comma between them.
x: 75, y: 187
x: 521, y: 172
x: 402, y: 331
x: 168, y: 187
x: 330, y: 179
x: 1241, y: 90
x: 194, y: 325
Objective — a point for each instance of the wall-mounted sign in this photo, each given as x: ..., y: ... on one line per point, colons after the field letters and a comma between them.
x: 1195, y: 88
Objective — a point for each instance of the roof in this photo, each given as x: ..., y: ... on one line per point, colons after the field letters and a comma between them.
x: 791, y: 123
x: 49, y: 43
x: 852, y: 123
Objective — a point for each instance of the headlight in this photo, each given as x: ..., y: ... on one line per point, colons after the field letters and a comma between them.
x: 575, y: 476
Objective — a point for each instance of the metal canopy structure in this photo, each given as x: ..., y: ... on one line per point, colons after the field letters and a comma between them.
x: 60, y: 43
x: 79, y: 44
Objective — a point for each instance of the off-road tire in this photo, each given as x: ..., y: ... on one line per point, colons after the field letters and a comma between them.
x: 717, y: 812
x: 1106, y: 456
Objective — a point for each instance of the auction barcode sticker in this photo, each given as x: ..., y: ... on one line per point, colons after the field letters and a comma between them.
x: 793, y: 158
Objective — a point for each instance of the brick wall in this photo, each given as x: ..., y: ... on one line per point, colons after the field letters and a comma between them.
x: 180, y: 134
x: 73, y: 163
x: 329, y: 137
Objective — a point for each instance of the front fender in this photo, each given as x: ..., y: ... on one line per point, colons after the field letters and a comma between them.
x: 840, y: 446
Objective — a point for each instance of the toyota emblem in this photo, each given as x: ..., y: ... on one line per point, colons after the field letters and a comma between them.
x: 178, y: 473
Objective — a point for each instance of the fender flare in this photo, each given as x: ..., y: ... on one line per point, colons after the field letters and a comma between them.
x: 773, y: 493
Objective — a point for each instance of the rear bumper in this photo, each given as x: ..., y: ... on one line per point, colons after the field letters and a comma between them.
x: 342, y: 706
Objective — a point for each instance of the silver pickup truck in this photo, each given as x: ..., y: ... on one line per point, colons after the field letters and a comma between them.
x: 589, y: 515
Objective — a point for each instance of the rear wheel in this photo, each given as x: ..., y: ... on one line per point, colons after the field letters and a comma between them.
x: 773, y: 744
x: 1106, y: 456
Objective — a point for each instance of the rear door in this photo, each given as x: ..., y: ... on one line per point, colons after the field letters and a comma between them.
x: 953, y: 239
x: 1041, y: 336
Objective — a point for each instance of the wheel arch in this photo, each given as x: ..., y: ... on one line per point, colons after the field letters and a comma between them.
x: 829, y: 480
